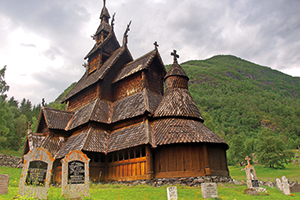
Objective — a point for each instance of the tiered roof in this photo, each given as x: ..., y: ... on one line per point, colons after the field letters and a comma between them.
x: 144, y: 117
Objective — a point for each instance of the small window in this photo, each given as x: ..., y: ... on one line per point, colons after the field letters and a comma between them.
x: 126, y: 155
x: 132, y: 154
x: 121, y: 156
x: 138, y: 153
x: 143, y: 152
x: 115, y: 157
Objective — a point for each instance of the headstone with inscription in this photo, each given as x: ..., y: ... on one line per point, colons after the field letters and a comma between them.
x: 209, y: 190
x: 4, y: 180
x: 36, y: 174
x: 285, y: 186
x: 172, y: 193
x: 75, y: 175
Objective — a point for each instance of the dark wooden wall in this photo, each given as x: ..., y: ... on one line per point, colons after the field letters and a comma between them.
x: 217, y: 161
x: 179, y: 161
x: 83, y: 98
x: 154, y: 79
x: 188, y: 160
x: 128, y: 86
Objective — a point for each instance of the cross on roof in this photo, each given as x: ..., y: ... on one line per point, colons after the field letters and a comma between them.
x: 175, y: 55
x: 248, y: 160
x: 155, y: 44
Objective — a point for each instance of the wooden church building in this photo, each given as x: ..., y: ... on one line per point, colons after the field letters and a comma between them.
x: 132, y: 118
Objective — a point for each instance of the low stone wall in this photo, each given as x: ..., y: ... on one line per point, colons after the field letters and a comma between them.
x: 10, y: 161
x: 191, y: 181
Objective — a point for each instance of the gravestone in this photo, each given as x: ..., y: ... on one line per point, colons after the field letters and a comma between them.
x: 209, y: 190
x: 172, y: 193
x: 75, y: 175
x: 278, y: 184
x: 295, y: 187
x: 252, y: 181
x: 4, y: 180
x: 36, y: 174
x: 285, y: 186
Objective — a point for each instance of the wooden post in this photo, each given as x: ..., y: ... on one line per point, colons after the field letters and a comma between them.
x: 106, y: 168
x: 206, y: 163
x: 149, y: 161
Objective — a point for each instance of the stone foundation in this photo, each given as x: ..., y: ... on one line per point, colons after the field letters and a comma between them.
x: 10, y: 161
x: 190, y: 181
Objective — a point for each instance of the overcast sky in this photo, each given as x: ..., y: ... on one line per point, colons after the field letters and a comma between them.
x: 43, y: 43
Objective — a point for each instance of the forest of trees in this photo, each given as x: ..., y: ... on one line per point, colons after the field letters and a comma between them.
x: 253, y: 108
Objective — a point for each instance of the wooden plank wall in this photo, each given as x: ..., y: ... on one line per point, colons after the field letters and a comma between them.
x: 154, y: 80
x: 128, y: 86
x: 83, y: 98
x: 178, y: 161
x: 129, y: 165
x: 217, y: 161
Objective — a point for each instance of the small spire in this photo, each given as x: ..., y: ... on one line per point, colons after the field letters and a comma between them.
x: 43, y: 102
x: 113, y: 20
x: 125, y: 40
x: 174, y: 53
x: 156, y: 45
x: 104, y: 2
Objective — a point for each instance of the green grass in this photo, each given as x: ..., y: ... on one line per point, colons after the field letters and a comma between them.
x: 117, y: 191
x: 265, y: 174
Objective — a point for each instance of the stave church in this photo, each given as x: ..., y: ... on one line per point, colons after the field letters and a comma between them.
x: 131, y: 117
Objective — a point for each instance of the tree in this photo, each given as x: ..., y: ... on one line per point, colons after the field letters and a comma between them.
x: 271, y: 150
x: 3, y: 88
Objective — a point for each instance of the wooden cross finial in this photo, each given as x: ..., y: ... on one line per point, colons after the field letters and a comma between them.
x: 248, y: 160
x: 155, y: 44
x: 175, y: 55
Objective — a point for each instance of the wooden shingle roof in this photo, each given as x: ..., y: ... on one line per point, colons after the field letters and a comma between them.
x: 138, y: 65
x: 135, y: 105
x: 176, y: 70
x: 96, y: 141
x: 97, y: 110
x: 177, y: 102
x: 75, y: 142
x: 174, y: 130
x: 51, y: 115
x: 53, y: 144
x: 130, y: 136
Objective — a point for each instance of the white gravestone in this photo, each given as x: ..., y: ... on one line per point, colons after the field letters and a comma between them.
x: 209, y: 190
x: 172, y: 193
x: 278, y: 184
x: 36, y: 174
x: 285, y: 186
x: 75, y: 175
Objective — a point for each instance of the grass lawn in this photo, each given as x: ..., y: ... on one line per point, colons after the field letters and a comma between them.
x: 225, y: 191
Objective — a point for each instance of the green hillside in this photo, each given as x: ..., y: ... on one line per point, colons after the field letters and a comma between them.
x: 246, y: 103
